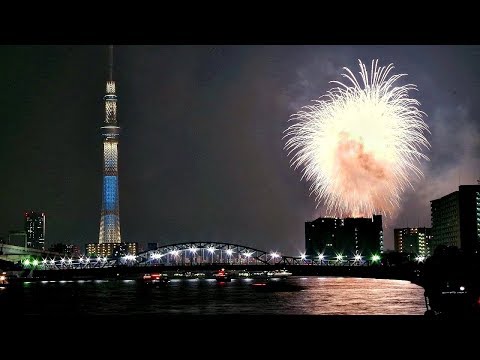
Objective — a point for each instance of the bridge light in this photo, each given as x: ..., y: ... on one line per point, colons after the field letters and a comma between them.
x: 303, y: 256
x: 321, y: 257
x: 211, y: 250
x: 358, y: 257
x: 248, y: 254
x: 35, y: 262
x: 87, y: 260
x: 70, y: 261
x: 339, y: 257
x: 229, y: 252
x: 62, y: 260
x: 462, y: 288
x: 80, y: 260
x: 52, y: 262
x: 375, y: 258
x: 156, y: 256
x: 26, y: 262
x: 105, y: 258
x: 99, y: 258
x: 44, y: 261
x: 274, y: 254
x: 193, y: 250
x: 420, y: 258
x: 174, y: 252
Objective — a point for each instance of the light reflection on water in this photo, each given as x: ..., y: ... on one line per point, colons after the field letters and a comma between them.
x: 296, y: 296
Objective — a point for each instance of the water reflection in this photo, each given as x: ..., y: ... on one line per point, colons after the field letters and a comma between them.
x: 295, y: 295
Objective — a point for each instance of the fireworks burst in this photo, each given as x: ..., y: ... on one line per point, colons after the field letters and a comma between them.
x: 359, y: 145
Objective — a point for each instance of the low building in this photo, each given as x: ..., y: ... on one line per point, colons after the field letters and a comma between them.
x: 17, y: 238
x: 111, y: 249
x: 346, y: 237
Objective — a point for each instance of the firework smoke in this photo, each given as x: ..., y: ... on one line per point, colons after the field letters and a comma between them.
x: 359, y: 145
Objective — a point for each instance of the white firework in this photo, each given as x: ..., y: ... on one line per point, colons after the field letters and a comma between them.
x: 360, y: 144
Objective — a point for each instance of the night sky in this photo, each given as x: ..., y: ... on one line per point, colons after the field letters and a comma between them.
x: 201, y: 152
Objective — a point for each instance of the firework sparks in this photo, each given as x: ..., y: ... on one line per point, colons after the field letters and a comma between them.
x: 360, y: 144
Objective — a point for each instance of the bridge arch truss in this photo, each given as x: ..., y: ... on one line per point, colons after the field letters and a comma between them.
x: 197, y: 253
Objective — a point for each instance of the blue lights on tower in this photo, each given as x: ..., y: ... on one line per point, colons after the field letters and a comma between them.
x: 110, y: 192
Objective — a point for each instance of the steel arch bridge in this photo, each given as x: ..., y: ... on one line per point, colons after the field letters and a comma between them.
x: 202, y: 252
x: 198, y: 253
x: 192, y: 253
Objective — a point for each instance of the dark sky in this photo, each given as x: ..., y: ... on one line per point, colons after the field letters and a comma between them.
x: 201, y: 150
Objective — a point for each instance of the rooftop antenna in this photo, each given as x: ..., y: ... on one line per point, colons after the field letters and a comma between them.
x: 110, y: 62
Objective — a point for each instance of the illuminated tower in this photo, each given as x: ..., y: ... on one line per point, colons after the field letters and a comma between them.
x: 110, y: 215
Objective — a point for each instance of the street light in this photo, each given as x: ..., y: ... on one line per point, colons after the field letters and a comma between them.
x: 193, y: 250
x: 339, y: 258
x: 248, y: 255
x: 274, y: 255
x: 174, y: 253
x: 129, y: 257
x: 156, y: 256
x: 211, y: 250
x: 229, y: 254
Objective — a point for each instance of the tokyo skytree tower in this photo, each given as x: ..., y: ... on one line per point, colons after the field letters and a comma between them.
x: 110, y: 215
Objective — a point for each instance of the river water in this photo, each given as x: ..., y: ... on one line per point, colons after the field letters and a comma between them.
x: 293, y: 296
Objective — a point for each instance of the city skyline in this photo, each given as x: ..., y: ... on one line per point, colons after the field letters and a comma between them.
x: 202, y: 156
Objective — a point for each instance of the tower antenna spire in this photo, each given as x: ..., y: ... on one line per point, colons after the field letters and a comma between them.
x: 110, y: 62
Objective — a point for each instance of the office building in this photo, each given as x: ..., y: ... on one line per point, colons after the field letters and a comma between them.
x: 35, y: 229
x: 456, y: 219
